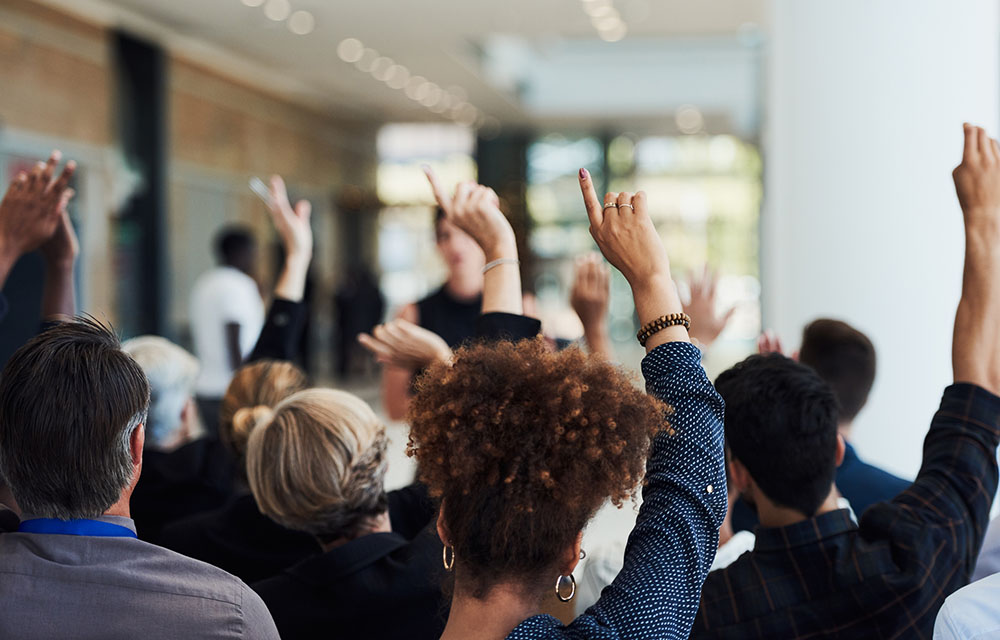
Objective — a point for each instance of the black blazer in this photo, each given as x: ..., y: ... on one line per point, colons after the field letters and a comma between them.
x: 381, y: 585
x: 239, y: 539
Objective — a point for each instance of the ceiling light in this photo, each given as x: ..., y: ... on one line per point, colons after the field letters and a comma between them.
x: 277, y: 10
x: 350, y: 50
x: 689, y: 119
x: 380, y: 68
x: 415, y: 87
x: 432, y: 95
x: 608, y: 23
x: 398, y: 75
x: 468, y: 117
x: 458, y: 93
x: 614, y: 34
x: 603, y: 12
x: 301, y: 23
x: 367, y: 59
x: 253, y: 3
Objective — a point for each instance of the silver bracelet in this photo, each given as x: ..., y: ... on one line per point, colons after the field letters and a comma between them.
x: 497, y: 263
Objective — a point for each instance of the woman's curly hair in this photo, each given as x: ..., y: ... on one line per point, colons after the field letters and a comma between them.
x: 523, y: 446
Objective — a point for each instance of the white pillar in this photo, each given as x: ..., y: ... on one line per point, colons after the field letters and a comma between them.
x: 866, y: 100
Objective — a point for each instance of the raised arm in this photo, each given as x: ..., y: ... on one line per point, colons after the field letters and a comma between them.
x: 60, y: 253
x: 31, y: 210
x: 283, y: 327
x: 951, y: 496
x: 590, y: 297
x: 684, y: 501
x: 976, y: 343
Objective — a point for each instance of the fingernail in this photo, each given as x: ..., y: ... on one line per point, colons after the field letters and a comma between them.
x: 425, y: 167
x: 584, y: 174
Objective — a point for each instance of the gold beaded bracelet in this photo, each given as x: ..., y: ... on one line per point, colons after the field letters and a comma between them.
x: 661, y: 323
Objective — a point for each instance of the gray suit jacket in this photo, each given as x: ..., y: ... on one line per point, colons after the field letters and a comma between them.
x: 82, y: 587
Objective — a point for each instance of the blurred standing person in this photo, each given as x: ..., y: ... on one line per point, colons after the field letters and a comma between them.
x: 227, y: 314
x: 453, y: 310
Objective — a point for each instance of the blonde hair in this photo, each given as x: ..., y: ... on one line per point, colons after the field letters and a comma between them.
x: 316, y: 462
x: 264, y: 383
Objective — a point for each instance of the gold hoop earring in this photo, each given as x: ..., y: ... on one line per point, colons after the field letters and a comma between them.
x: 448, y: 559
x: 572, y: 591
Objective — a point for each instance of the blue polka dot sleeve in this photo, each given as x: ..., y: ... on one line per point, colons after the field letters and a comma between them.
x: 676, y: 534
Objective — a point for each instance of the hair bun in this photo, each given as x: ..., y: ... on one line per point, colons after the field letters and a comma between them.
x: 247, y: 419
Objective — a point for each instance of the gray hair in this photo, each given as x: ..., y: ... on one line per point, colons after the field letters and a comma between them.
x: 172, y: 373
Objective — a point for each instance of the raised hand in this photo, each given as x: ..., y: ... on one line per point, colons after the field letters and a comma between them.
x: 62, y: 249
x: 769, y: 342
x: 292, y: 223
x: 624, y: 232
x: 405, y: 345
x: 976, y: 345
x: 475, y: 209
x: 32, y: 208
x: 706, y: 322
x: 591, y: 292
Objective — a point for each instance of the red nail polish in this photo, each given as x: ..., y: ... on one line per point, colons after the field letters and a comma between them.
x: 583, y: 174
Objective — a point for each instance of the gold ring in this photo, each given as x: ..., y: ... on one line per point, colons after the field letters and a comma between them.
x: 611, y: 204
x: 626, y: 205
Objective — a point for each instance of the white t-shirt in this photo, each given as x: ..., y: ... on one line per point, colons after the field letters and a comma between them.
x: 219, y: 297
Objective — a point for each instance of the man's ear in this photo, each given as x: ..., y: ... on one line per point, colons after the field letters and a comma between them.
x: 136, y: 443
x: 841, y: 450
x: 739, y: 478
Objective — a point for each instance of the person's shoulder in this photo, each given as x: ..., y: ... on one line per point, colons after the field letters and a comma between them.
x: 971, y: 612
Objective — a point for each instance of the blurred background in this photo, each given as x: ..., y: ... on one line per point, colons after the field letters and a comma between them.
x: 802, y: 148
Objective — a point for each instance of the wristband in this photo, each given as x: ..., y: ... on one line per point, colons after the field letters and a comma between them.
x: 497, y: 263
x: 661, y: 323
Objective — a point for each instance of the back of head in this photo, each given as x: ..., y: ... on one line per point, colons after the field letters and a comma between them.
x: 781, y: 424
x: 316, y: 462
x: 845, y: 358
x: 523, y: 445
x: 235, y: 245
x: 70, y: 400
x: 172, y: 373
x: 264, y: 383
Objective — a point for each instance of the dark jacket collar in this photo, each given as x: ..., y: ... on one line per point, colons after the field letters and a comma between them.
x: 348, y: 558
x: 803, y: 533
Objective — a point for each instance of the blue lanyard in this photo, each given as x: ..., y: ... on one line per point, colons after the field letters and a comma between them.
x: 97, y: 528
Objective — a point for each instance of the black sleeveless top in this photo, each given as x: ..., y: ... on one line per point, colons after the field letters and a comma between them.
x: 453, y: 320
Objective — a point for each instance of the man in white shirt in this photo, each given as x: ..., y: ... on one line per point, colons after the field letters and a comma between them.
x: 227, y: 314
x: 971, y: 613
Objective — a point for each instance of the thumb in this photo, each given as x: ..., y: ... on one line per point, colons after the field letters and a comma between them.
x: 303, y: 209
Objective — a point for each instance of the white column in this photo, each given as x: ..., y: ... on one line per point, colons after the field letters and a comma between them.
x: 866, y: 100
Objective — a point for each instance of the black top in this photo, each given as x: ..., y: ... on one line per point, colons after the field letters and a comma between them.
x: 450, y: 318
x: 239, y: 539
x: 192, y: 479
x: 347, y: 591
x: 885, y: 577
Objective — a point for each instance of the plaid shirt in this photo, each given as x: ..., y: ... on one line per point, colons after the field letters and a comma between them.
x: 887, y: 577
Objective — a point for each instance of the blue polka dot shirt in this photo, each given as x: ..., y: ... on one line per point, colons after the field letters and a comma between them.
x: 676, y: 534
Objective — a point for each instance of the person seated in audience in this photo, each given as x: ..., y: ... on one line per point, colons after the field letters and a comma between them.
x: 316, y: 464
x: 237, y: 537
x: 174, y: 479
x: 988, y: 562
x: 813, y: 572
x: 845, y: 358
x: 73, y: 407
x: 227, y: 315
x: 522, y: 445
x: 33, y: 215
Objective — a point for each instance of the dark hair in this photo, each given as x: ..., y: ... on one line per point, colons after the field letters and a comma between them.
x: 523, y: 445
x: 781, y: 424
x: 69, y: 401
x: 845, y: 358
x: 232, y: 242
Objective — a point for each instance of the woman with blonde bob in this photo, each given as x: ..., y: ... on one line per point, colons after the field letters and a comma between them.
x: 316, y: 463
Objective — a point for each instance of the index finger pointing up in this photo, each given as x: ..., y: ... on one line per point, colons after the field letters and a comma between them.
x: 595, y: 210
x: 439, y: 193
